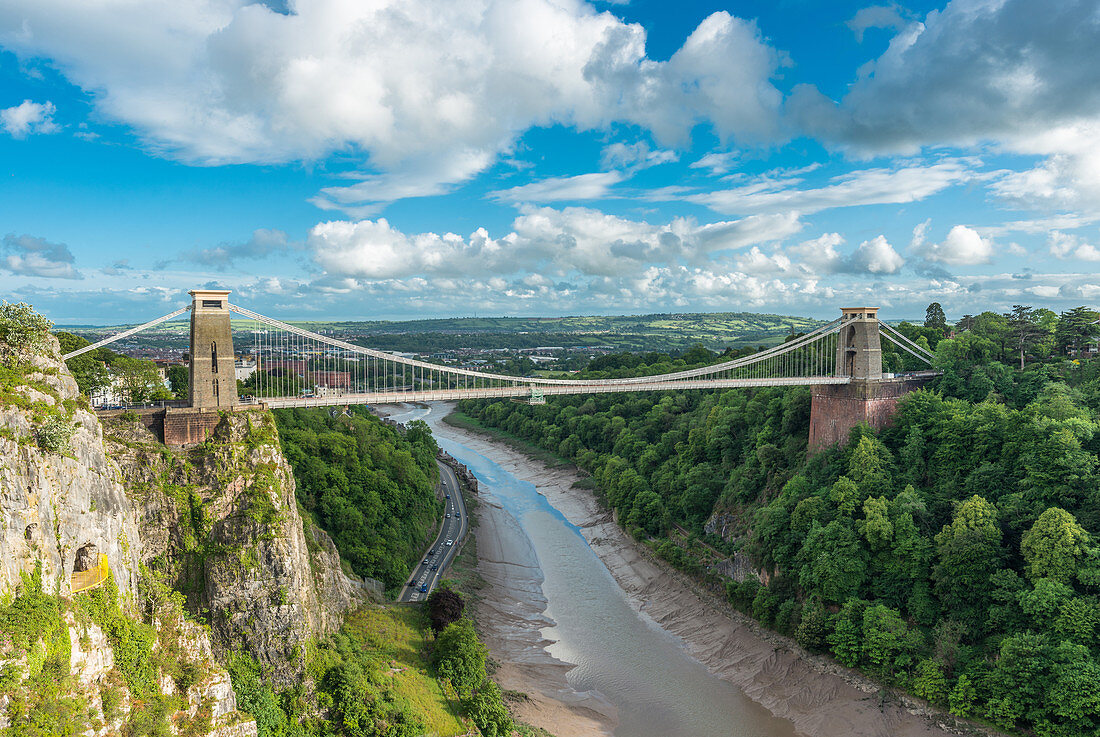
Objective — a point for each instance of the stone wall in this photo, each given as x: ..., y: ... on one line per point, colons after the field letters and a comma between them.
x: 836, y: 408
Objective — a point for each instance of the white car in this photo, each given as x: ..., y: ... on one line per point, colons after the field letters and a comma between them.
x: 450, y: 542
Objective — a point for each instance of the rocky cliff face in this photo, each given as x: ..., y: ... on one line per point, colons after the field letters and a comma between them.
x: 738, y: 566
x: 222, y: 523
x: 61, y: 500
x: 219, y: 522
x: 64, y: 512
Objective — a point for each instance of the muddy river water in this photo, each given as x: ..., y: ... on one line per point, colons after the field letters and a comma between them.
x: 657, y: 688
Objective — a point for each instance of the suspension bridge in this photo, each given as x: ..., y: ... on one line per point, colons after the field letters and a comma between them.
x: 294, y: 367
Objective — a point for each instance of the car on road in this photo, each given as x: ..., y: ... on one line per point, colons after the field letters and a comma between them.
x: 458, y: 516
x: 423, y: 588
x: 450, y: 542
x: 448, y: 496
x: 412, y: 582
x: 435, y: 568
x: 448, y: 515
x: 430, y: 552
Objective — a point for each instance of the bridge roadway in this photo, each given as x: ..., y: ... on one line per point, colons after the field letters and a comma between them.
x: 524, y: 390
x: 434, y: 564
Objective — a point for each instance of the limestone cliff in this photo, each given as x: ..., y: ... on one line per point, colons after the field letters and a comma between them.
x: 66, y: 523
x: 221, y: 521
x: 61, y: 500
x: 127, y: 515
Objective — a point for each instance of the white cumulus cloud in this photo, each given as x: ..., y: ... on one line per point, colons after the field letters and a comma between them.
x: 396, y: 83
x: 27, y: 118
x: 28, y: 255
x: 1065, y: 245
x: 570, y: 241
x: 963, y: 246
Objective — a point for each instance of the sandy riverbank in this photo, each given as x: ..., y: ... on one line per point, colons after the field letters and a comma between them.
x: 819, y: 697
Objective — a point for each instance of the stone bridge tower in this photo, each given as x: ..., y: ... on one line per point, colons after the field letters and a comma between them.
x: 858, y: 350
x: 870, y: 398
x: 213, y: 373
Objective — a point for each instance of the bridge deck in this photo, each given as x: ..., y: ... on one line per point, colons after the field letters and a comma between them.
x: 524, y: 390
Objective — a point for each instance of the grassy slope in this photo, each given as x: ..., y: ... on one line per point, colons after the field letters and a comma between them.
x: 396, y: 635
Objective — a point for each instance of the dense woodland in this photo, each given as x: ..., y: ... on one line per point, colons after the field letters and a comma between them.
x: 369, y: 486
x: 954, y: 554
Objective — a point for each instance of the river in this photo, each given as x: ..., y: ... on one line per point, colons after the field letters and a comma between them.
x: 656, y: 686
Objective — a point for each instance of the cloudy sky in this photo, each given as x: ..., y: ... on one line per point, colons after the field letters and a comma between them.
x: 422, y: 158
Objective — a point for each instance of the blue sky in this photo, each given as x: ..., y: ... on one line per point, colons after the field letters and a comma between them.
x: 395, y: 159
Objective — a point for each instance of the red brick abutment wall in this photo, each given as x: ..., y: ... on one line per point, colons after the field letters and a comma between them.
x: 836, y: 408
x: 180, y: 427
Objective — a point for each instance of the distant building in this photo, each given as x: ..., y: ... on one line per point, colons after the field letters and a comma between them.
x: 330, y: 379
x: 283, y: 367
x: 244, y: 368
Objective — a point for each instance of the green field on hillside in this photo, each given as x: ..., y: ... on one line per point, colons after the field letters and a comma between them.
x: 673, y: 331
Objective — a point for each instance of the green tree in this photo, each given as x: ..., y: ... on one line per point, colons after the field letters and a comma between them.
x: 1019, y: 681
x: 847, y: 496
x: 1054, y: 546
x: 1044, y: 601
x: 968, y: 552
x: 1023, y: 324
x: 876, y: 527
x: 459, y: 657
x: 887, y: 644
x: 870, y: 467
x: 1075, y: 328
x: 833, y: 562
x: 139, y: 380
x: 929, y: 682
x: 934, y: 317
x: 486, y: 708
x: 179, y: 380
x: 846, y: 638
x: 962, y: 697
x: 814, y: 629
x: 21, y: 328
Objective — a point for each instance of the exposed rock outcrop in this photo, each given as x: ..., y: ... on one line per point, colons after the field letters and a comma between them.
x: 58, y: 506
x: 221, y: 520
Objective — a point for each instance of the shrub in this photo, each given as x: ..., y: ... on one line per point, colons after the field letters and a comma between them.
x: 962, y: 697
x: 54, y: 434
x: 21, y: 328
x: 814, y: 629
x: 929, y: 683
x: 444, y: 606
x: 788, y: 617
